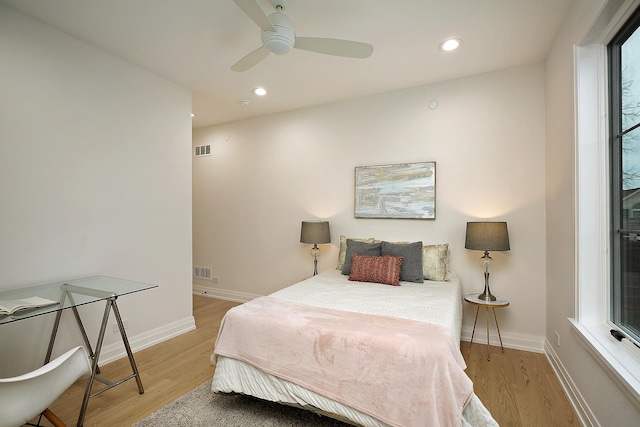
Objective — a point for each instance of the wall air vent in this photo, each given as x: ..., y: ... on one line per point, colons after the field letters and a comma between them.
x: 202, y: 273
x: 202, y: 150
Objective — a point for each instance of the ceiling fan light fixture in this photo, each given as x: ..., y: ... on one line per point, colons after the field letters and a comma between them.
x: 283, y: 39
x: 450, y: 44
x: 277, y: 44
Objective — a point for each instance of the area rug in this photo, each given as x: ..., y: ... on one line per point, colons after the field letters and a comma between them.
x: 203, y: 408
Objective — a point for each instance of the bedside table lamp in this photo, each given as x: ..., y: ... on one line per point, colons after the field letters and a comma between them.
x: 487, y: 236
x: 315, y: 232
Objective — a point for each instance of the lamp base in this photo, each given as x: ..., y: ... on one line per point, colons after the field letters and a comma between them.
x: 314, y: 254
x: 486, y: 295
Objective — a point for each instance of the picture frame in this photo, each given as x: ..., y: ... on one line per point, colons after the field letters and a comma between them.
x: 400, y: 191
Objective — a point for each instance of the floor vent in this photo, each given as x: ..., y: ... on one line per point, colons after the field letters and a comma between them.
x: 202, y: 273
x: 202, y: 150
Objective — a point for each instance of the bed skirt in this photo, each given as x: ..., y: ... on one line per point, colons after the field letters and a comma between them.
x: 229, y: 374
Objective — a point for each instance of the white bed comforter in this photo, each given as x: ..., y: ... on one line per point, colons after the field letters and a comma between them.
x: 433, y: 302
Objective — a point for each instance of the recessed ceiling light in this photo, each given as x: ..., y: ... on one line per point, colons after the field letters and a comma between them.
x: 244, y: 102
x: 193, y: 114
x: 260, y: 91
x: 449, y: 45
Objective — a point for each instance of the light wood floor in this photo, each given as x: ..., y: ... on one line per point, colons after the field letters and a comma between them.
x: 518, y: 387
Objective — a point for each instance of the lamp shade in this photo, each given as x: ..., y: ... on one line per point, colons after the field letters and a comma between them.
x: 487, y: 236
x: 315, y: 232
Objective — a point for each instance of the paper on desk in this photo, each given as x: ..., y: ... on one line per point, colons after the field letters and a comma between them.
x: 11, y: 306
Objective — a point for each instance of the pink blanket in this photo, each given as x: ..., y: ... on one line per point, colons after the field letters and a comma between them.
x: 402, y: 372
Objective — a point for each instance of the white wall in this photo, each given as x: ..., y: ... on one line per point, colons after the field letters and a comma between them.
x: 600, y: 400
x: 95, y: 179
x: 486, y: 137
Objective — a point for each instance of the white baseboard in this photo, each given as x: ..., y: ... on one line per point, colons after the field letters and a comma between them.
x: 116, y: 351
x: 509, y: 340
x: 223, y: 294
x: 580, y: 406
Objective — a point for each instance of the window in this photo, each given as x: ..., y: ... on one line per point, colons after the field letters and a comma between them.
x: 624, y: 105
x: 602, y: 206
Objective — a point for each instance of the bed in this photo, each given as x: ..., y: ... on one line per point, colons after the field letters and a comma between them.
x: 402, y: 364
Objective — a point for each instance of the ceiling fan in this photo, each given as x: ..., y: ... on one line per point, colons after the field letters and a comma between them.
x: 279, y: 37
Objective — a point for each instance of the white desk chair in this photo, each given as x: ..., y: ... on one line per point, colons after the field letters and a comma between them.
x: 23, y: 397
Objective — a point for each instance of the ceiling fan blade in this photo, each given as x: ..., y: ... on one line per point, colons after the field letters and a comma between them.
x: 251, y: 59
x: 253, y: 10
x: 334, y: 47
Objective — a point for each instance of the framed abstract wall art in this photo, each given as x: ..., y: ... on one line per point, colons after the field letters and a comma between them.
x: 402, y: 191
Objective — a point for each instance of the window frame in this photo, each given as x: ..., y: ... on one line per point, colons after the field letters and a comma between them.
x: 614, y: 56
x: 593, y: 210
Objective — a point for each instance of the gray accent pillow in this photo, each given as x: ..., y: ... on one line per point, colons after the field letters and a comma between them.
x: 343, y: 249
x: 355, y: 247
x: 411, y: 254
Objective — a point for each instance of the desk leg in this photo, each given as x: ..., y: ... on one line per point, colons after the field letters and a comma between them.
x: 474, y: 326
x: 94, y: 364
x: 56, y: 325
x: 498, y: 328
x: 123, y: 334
x: 87, y: 343
x: 110, y: 305
x: 54, y: 332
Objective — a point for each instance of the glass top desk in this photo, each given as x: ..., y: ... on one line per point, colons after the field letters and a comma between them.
x: 70, y: 295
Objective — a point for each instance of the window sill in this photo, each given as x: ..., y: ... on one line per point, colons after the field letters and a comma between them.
x: 621, y: 359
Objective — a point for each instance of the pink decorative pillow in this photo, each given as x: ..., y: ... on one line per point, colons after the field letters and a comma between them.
x: 378, y: 269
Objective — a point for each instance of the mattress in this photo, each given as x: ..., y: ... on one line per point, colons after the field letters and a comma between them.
x: 433, y: 302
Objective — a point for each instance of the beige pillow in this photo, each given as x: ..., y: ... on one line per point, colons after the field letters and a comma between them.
x: 435, y: 261
x: 342, y: 255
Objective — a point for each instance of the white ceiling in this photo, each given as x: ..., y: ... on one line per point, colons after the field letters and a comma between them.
x: 195, y: 42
